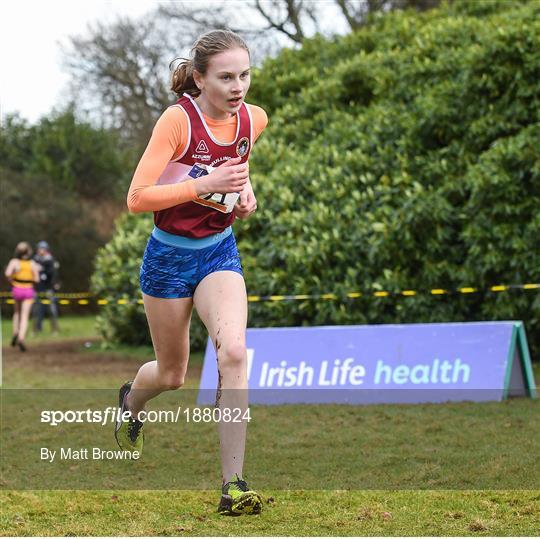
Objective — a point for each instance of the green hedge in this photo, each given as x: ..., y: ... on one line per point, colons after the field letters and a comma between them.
x: 403, y: 156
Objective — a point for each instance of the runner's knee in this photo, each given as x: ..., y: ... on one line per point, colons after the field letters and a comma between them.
x: 172, y: 380
x: 232, y: 355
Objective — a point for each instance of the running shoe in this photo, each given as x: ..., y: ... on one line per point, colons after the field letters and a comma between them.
x: 237, y: 499
x: 129, y: 434
x: 14, y: 340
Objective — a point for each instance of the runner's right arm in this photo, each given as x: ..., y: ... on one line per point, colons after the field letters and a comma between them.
x: 168, y: 139
x: 10, y: 269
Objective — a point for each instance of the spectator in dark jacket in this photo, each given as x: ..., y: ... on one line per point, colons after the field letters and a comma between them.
x: 46, y: 303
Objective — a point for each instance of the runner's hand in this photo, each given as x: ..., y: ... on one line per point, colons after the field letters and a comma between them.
x: 247, y: 203
x: 230, y: 177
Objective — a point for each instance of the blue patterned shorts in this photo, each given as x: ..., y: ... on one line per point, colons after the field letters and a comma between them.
x: 170, y: 271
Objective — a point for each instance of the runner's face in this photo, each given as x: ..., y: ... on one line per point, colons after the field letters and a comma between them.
x: 225, y: 83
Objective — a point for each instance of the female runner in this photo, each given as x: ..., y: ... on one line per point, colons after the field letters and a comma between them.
x: 22, y: 272
x: 191, y: 258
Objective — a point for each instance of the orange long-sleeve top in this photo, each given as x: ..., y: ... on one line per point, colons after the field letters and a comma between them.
x: 168, y: 141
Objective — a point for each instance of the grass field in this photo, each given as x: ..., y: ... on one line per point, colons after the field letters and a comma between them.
x: 334, y: 474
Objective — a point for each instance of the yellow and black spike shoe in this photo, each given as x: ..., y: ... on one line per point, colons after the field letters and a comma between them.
x: 128, y: 433
x: 237, y: 499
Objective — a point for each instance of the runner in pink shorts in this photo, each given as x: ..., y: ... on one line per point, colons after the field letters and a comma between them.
x: 20, y: 294
x: 22, y: 272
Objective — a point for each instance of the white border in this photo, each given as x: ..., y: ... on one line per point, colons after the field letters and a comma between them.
x: 189, y: 134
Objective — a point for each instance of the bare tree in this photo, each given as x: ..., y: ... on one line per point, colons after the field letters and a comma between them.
x: 119, y: 73
x: 290, y: 17
x: 241, y: 17
x: 357, y: 11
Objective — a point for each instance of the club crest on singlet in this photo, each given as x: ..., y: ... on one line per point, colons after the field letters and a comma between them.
x: 242, y: 146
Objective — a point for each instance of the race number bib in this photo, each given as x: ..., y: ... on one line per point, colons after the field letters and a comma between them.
x: 223, y: 202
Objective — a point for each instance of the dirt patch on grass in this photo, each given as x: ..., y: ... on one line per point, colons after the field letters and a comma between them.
x: 68, y: 357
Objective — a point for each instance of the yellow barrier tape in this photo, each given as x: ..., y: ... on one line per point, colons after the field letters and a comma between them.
x: 60, y: 295
x: 408, y: 293
x: 85, y: 298
x: 499, y: 288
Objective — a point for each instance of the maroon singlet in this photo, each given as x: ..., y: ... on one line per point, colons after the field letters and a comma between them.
x: 192, y: 219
